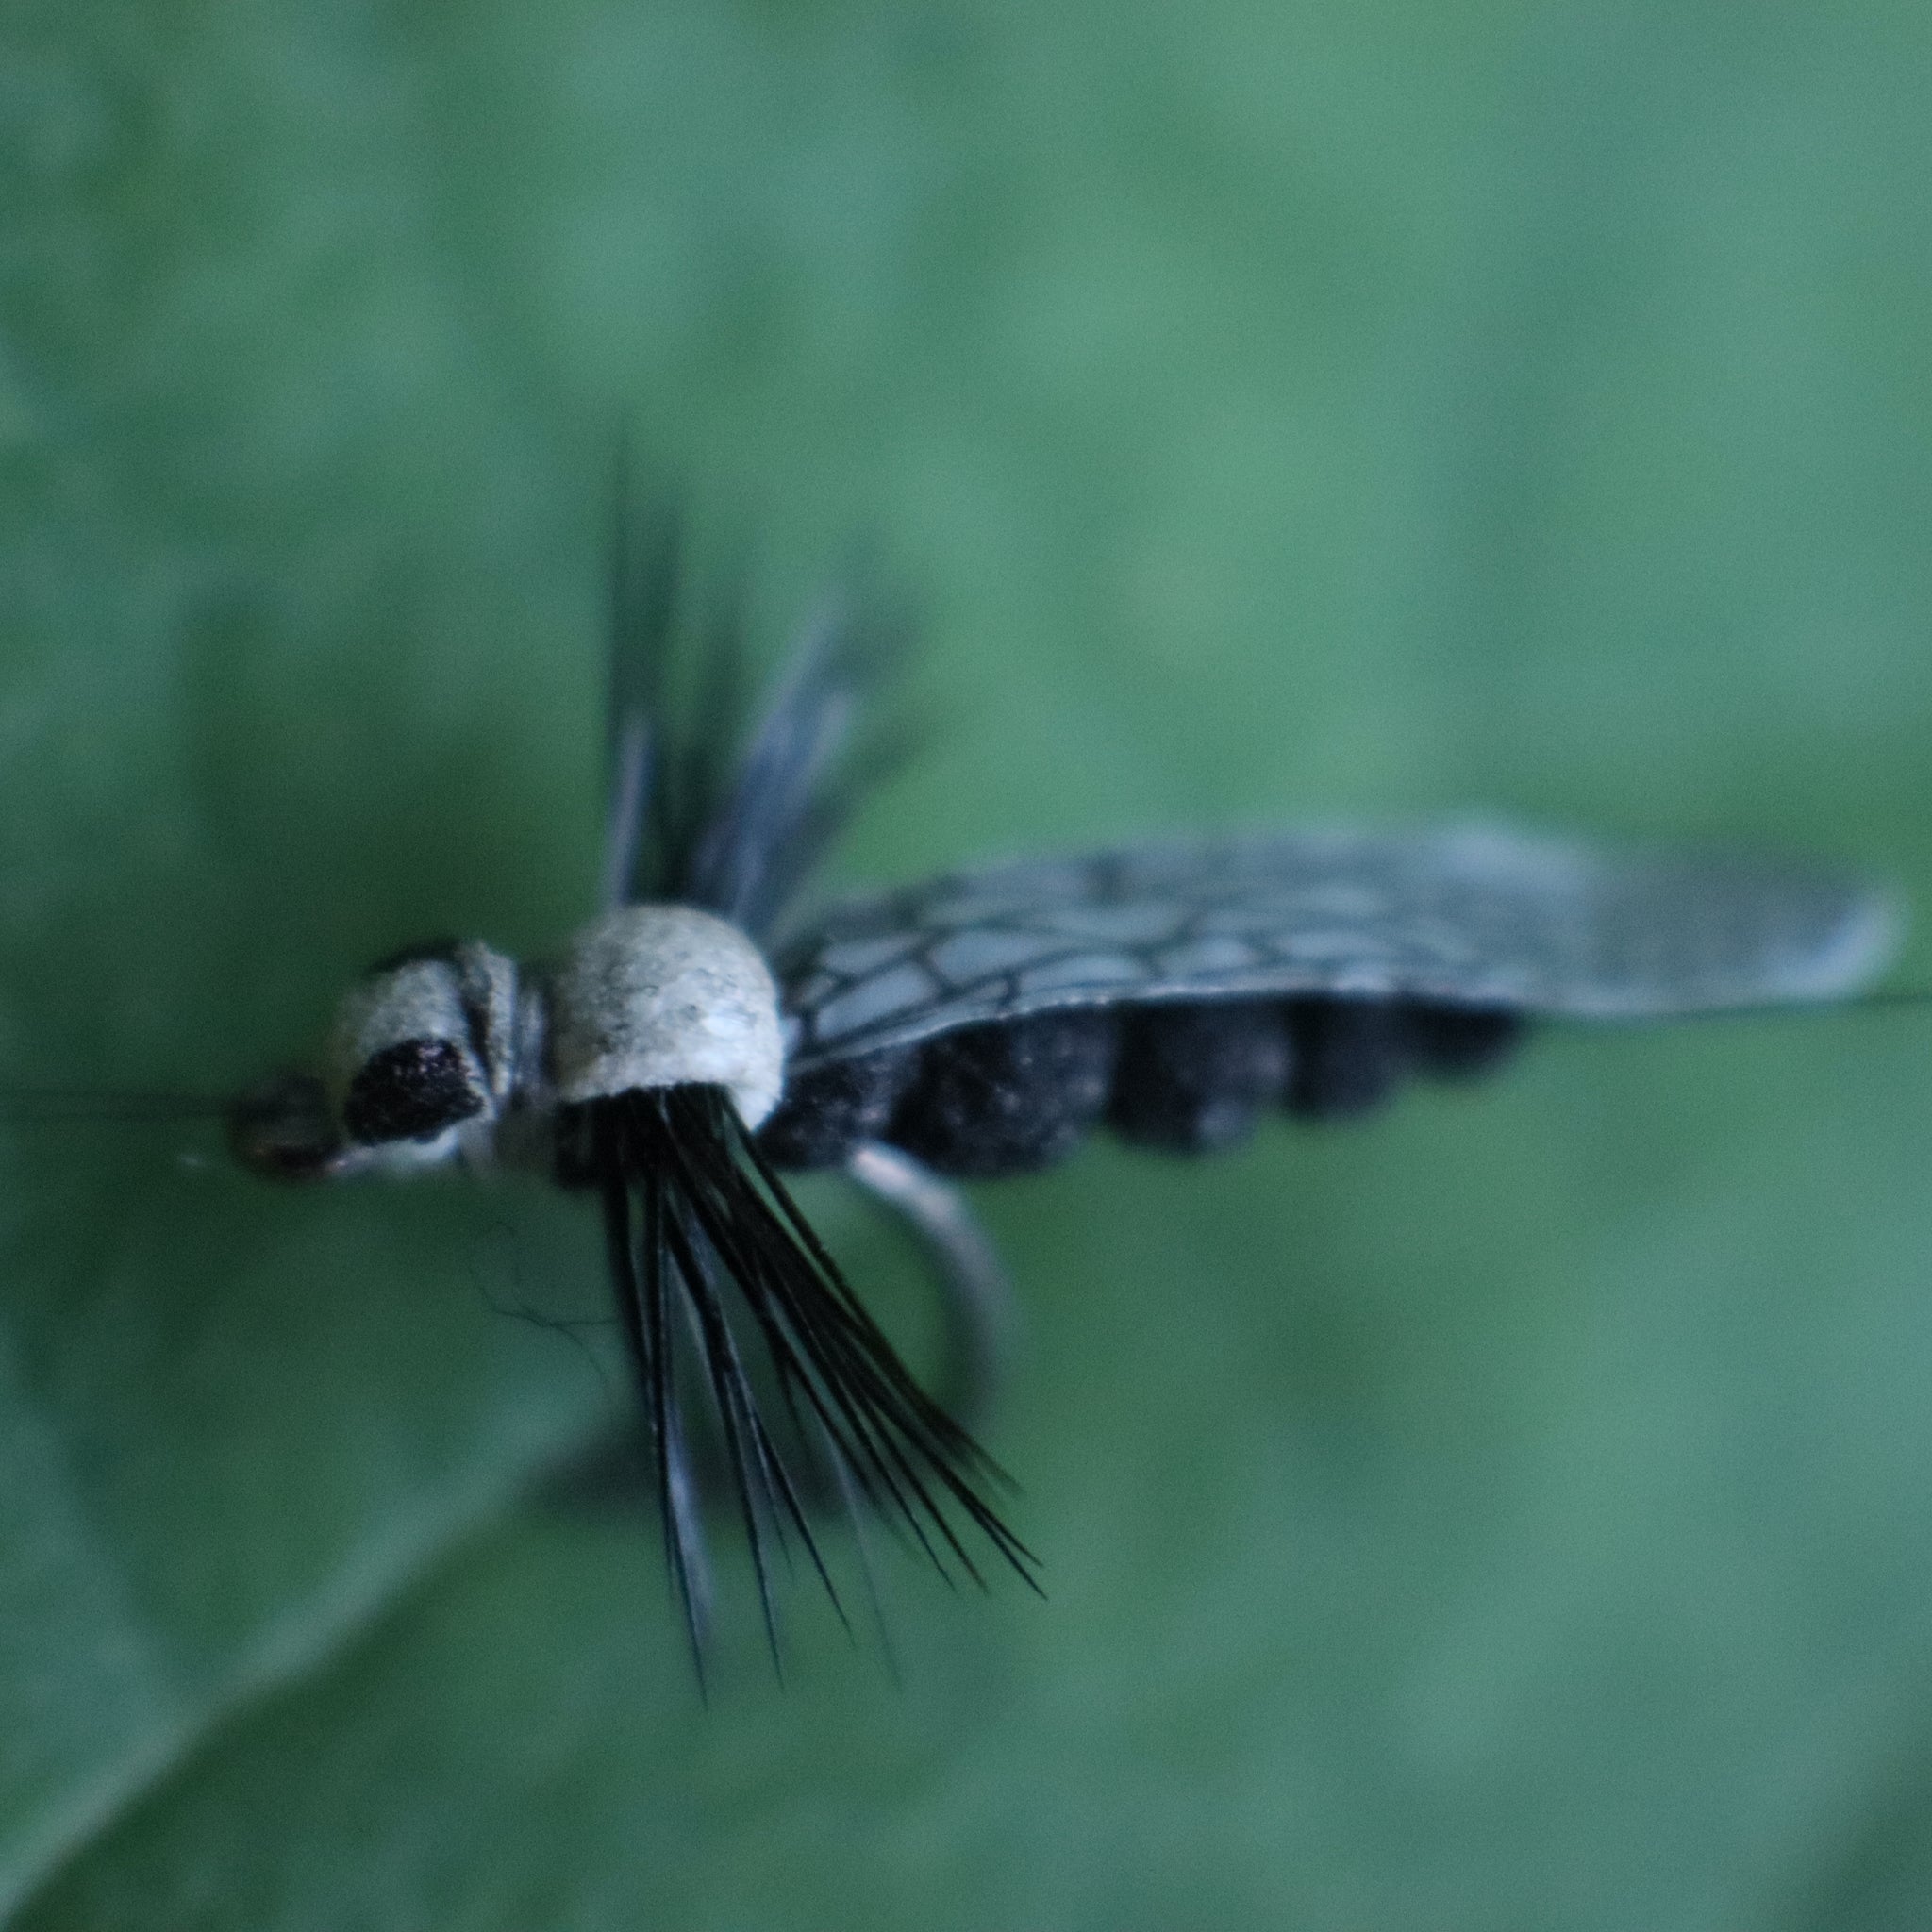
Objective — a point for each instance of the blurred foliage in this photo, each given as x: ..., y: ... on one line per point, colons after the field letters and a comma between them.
x: 1509, y: 1514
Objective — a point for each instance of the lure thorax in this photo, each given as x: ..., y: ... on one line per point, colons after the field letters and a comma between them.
x: 457, y: 1052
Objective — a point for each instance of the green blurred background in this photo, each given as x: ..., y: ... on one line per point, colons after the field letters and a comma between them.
x: 1510, y: 1514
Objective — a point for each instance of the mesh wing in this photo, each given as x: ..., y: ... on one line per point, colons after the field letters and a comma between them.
x: 1477, y: 915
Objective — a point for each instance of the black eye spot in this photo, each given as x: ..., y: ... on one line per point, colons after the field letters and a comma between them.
x: 410, y: 1091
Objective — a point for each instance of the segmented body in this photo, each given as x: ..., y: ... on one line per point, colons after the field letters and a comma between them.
x: 973, y: 1025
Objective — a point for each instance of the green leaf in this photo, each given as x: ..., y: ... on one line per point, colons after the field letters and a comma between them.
x: 1509, y: 1513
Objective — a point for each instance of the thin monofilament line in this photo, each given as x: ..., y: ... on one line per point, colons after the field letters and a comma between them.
x: 109, y: 1105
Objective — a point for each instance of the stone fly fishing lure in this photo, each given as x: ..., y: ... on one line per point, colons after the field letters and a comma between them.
x: 699, y: 1036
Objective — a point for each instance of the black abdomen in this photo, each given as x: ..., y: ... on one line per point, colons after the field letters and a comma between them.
x: 1188, y: 1076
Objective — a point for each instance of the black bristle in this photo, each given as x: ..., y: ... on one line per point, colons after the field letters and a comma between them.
x: 637, y: 1276
x: 714, y: 1266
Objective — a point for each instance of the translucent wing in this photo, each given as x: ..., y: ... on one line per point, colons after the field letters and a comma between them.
x: 1475, y: 915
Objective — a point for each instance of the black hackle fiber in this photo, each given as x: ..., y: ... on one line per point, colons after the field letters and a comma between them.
x: 725, y: 1295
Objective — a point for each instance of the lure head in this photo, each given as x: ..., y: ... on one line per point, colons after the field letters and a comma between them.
x: 434, y: 1048
x: 421, y: 1065
x: 652, y: 996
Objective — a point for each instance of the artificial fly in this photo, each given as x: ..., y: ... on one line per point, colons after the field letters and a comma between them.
x: 701, y: 1033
